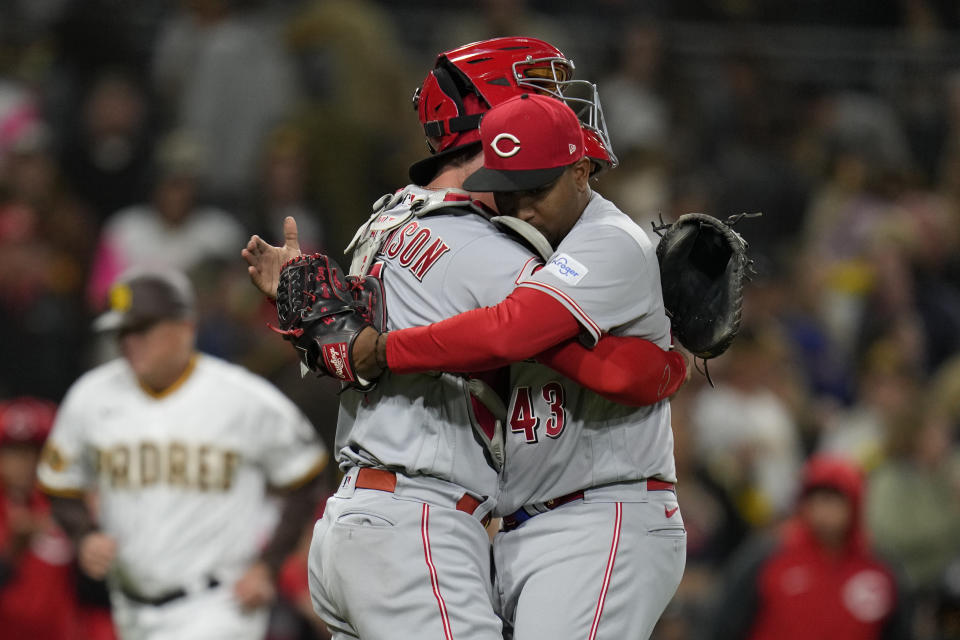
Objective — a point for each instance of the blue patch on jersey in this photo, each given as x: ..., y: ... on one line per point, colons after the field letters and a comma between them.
x: 566, y: 268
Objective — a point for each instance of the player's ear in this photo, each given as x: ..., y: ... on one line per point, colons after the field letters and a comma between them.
x: 581, y: 173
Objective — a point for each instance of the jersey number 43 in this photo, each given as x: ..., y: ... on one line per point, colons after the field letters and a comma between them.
x: 523, y: 415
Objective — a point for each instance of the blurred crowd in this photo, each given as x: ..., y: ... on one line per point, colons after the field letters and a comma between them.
x: 164, y: 134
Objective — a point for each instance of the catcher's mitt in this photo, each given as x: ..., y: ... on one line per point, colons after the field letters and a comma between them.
x: 703, y: 262
x: 321, y: 312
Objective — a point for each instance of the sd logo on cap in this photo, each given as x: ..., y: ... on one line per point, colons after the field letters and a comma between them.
x: 141, y: 298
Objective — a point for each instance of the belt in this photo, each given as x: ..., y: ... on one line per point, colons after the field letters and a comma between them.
x: 523, y: 514
x: 383, y: 480
x: 170, y: 596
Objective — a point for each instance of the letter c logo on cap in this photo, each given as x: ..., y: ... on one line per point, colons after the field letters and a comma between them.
x: 495, y: 145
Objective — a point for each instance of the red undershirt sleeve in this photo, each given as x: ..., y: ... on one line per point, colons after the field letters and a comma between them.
x: 523, y: 325
x: 530, y: 323
x: 629, y: 371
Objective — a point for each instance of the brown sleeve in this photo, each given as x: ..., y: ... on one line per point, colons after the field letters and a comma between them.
x: 299, y: 507
x: 73, y: 516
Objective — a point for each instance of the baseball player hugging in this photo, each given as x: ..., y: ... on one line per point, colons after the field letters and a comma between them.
x: 401, y: 550
x: 580, y: 472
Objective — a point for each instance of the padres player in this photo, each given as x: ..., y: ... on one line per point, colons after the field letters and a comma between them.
x: 581, y: 473
x: 180, y: 448
x: 401, y: 550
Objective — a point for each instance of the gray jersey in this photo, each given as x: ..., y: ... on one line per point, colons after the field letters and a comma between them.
x: 561, y: 437
x: 433, y: 267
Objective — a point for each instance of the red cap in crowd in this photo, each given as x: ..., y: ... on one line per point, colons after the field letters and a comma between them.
x: 26, y: 420
x: 528, y: 141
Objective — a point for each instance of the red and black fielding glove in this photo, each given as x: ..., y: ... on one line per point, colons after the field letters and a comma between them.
x: 321, y: 311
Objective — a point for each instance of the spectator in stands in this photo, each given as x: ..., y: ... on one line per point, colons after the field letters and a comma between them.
x: 352, y: 71
x: 638, y: 118
x: 223, y: 72
x: 818, y: 576
x: 46, y: 244
x: 282, y: 190
x: 37, y: 597
x: 913, y: 506
x: 174, y: 230
x: 745, y: 433
x: 107, y: 149
x: 888, y: 384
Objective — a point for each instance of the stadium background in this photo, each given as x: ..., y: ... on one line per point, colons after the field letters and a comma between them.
x: 839, y: 120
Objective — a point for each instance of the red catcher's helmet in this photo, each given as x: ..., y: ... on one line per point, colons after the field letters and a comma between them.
x: 467, y: 81
x: 26, y: 420
x: 597, y: 148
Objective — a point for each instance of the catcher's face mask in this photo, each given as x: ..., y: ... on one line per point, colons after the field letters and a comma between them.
x: 553, y: 77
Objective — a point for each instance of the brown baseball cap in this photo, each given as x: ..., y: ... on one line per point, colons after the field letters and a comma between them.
x: 141, y: 298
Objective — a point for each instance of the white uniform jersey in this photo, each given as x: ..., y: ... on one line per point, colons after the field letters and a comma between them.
x: 181, y: 476
x: 562, y: 438
x: 432, y: 268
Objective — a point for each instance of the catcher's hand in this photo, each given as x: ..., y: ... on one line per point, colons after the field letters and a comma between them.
x: 264, y: 261
x: 703, y: 262
x: 322, y: 312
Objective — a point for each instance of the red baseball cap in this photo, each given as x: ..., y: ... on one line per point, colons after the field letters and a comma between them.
x: 26, y: 420
x: 528, y: 141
